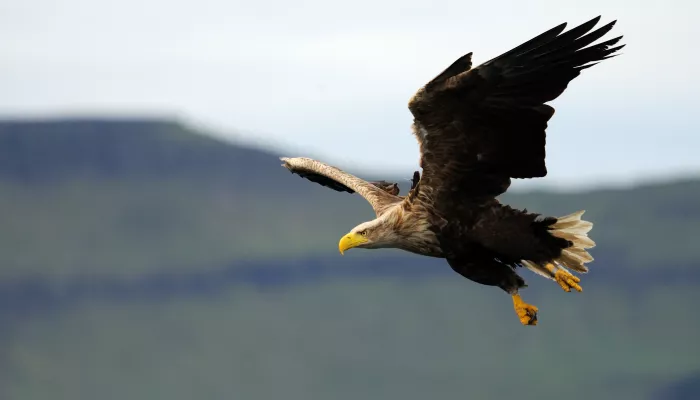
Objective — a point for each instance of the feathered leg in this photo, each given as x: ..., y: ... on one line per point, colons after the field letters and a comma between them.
x: 493, y: 273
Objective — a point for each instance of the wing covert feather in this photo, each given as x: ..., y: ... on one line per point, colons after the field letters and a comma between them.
x: 339, y: 180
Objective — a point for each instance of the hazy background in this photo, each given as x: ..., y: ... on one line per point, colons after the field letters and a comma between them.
x: 299, y: 75
x: 151, y: 247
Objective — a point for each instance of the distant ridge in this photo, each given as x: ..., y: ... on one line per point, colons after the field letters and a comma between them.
x: 130, y: 195
x: 123, y: 147
x: 114, y: 148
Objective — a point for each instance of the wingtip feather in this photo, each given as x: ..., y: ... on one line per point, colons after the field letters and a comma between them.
x: 286, y: 163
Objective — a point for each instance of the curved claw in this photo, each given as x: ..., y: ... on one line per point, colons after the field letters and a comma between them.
x: 567, y: 281
x: 564, y: 278
x: 527, y: 313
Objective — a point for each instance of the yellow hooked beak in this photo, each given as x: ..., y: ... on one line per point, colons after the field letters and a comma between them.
x: 349, y: 241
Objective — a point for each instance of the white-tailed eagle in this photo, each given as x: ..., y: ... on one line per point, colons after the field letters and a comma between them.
x: 477, y: 128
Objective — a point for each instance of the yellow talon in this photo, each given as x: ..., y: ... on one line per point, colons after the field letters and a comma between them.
x: 527, y: 313
x: 564, y: 278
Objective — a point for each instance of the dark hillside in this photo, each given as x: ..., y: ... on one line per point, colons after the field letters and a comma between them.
x: 46, y: 151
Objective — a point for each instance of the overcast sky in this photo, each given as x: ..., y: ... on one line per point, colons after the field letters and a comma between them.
x: 332, y: 79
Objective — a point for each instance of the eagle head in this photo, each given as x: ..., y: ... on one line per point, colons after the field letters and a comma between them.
x: 373, y: 234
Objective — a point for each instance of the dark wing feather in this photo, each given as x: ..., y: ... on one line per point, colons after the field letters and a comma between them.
x: 380, y: 194
x: 320, y: 179
x: 389, y: 187
x: 478, y: 128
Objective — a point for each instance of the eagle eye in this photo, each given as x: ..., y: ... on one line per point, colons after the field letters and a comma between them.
x: 363, y: 232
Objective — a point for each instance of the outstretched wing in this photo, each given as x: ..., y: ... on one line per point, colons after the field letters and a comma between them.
x: 478, y: 128
x: 378, y: 194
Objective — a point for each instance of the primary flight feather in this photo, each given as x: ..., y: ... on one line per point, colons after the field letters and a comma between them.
x: 477, y: 128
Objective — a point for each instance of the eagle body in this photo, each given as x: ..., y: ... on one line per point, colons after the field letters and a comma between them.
x: 478, y: 128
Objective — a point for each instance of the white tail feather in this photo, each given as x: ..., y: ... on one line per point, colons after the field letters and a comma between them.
x: 572, y: 228
x: 538, y: 269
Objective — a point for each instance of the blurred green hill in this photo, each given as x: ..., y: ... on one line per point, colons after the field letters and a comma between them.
x: 128, y: 196
x: 143, y: 259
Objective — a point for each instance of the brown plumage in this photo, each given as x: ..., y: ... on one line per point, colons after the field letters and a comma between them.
x: 477, y: 128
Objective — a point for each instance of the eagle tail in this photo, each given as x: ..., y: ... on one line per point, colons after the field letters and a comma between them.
x: 572, y: 258
x: 572, y: 228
